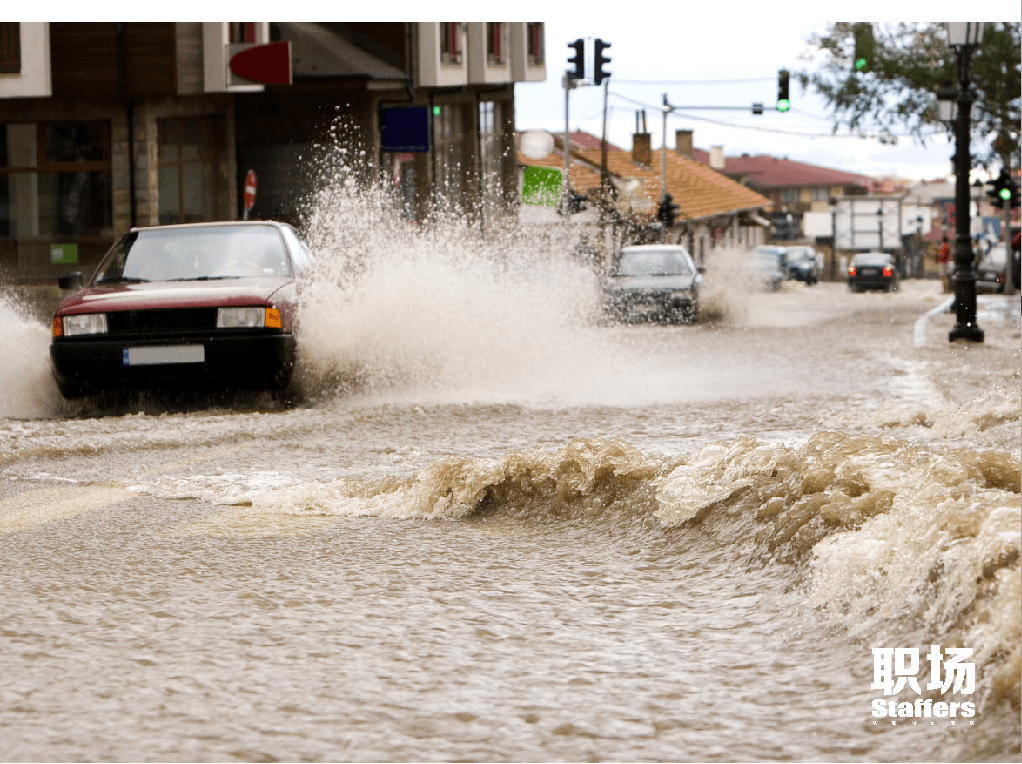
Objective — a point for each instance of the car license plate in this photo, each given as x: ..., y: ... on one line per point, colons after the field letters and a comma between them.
x: 870, y: 271
x: 151, y: 356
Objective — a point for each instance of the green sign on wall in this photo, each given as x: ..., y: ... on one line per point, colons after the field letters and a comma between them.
x: 541, y: 186
x: 63, y: 254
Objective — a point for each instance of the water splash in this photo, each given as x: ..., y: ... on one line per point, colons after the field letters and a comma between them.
x: 27, y: 390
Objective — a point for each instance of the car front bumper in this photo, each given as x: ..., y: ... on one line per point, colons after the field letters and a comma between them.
x: 86, y: 365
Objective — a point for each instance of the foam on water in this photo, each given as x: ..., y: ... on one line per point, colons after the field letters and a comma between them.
x: 894, y: 541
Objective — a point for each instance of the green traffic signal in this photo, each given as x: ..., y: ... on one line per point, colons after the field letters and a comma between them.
x: 1005, y: 193
x: 783, y: 102
x: 860, y: 64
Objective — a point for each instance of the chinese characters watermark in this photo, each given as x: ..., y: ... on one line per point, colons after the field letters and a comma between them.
x: 896, y: 670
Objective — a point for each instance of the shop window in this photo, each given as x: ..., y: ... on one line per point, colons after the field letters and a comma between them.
x: 10, y: 47
x: 55, y: 180
x: 490, y: 153
x: 448, y: 149
x: 188, y: 190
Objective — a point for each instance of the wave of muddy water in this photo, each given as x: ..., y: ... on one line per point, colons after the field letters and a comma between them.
x: 496, y: 529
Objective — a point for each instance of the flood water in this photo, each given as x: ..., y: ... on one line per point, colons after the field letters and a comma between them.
x: 492, y: 528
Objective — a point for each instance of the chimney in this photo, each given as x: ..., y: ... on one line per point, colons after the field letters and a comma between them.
x: 683, y: 143
x: 717, y: 157
x: 642, y: 149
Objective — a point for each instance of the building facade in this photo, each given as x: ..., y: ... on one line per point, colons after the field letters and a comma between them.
x: 109, y: 125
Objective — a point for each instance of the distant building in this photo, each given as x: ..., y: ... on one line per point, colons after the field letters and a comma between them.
x: 713, y: 210
x: 109, y: 125
x: 794, y: 187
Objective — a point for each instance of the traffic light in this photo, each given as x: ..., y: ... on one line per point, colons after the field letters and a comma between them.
x: 865, y: 47
x: 783, y: 101
x: 1000, y: 191
x: 579, y: 60
x: 599, y: 73
x: 667, y: 211
x: 1012, y: 189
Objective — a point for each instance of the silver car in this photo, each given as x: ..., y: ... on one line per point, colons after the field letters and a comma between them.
x: 654, y: 282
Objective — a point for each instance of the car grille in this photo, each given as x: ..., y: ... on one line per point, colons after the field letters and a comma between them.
x: 166, y: 321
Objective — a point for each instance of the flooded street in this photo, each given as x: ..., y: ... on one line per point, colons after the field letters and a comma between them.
x: 490, y: 533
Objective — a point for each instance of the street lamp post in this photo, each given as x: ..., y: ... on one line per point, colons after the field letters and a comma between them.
x: 964, y: 37
x: 880, y: 226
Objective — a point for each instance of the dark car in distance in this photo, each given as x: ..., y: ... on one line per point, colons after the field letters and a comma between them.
x: 803, y: 264
x: 872, y: 270
x: 654, y: 282
x: 203, y: 305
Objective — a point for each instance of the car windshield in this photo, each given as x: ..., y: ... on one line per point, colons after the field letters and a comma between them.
x: 654, y: 262
x: 195, y: 254
x: 872, y: 259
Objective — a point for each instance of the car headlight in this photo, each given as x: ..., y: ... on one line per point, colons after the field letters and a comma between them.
x: 247, y: 318
x: 85, y: 323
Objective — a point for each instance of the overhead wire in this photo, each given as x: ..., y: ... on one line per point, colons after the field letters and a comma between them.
x: 679, y: 112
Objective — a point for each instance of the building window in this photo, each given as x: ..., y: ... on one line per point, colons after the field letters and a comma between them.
x: 535, y: 43
x: 450, y: 42
x: 10, y: 47
x: 489, y: 147
x: 789, y: 195
x: 494, y: 47
x: 243, y: 31
x: 55, y: 180
x: 449, y: 150
x: 187, y: 169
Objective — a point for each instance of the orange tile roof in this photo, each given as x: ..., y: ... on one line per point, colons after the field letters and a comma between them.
x: 699, y: 191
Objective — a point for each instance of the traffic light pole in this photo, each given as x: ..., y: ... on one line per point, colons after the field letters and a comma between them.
x: 966, y: 327
x: 667, y: 109
x: 1009, y: 267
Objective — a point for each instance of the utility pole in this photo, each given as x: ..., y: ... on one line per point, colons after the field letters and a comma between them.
x: 666, y: 109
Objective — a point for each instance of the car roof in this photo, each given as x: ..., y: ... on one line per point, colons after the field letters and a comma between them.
x: 209, y: 224
x: 651, y: 247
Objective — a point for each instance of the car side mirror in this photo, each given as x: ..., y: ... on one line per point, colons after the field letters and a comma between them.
x: 71, y: 281
x: 701, y: 269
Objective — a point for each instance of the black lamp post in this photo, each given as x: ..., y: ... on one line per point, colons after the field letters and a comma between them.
x: 964, y: 36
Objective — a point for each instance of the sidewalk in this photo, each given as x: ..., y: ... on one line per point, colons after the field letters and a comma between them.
x: 998, y: 315
x: 979, y: 381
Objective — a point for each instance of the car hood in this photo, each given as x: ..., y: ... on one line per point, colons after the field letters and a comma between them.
x: 174, y: 294
x: 622, y: 283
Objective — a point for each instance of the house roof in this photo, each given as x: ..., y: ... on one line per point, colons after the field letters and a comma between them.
x: 763, y: 171
x: 698, y: 191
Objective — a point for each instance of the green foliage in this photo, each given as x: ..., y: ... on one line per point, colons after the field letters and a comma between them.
x: 909, y: 62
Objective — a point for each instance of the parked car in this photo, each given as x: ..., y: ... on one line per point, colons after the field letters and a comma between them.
x: 872, y: 270
x: 990, y: 271
x: 658, y: 282
x: 207, y: 305
x: 803, y: 264
x: 766, y: 264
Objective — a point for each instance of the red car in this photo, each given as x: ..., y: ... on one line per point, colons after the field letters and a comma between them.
x: 206, y: 305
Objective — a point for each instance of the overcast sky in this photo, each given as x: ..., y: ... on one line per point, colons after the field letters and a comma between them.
x: 720, y: 54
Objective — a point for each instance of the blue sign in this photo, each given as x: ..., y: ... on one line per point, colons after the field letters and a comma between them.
x: 405, y: 129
